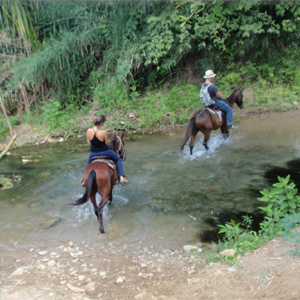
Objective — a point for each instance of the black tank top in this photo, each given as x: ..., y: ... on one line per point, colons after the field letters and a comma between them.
x: 97, y: 145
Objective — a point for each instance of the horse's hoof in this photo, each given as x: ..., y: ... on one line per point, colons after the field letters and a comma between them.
x: 102, y: 230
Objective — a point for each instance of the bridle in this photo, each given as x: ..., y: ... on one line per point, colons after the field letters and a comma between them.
x: 229, y: 102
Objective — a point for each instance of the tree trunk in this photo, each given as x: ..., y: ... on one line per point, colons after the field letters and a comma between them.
x: 6, y: 117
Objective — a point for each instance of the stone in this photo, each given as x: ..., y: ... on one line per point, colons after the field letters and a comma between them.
x: 41, y: 267
x: 51, y: 263
x: 102, y: 274
x: 189, y: 248
x: 232, y: 269
x: 120, y: 279
x: 90, y: 287
x: 17, y: 272
x: 141, y: 296
x: 70, y: 244
x: 51, y: 222
x: 228, y: 252
x: 42, y: 253
x: 75, y: 288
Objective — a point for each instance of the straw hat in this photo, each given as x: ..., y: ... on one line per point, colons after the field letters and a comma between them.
x: 209, y: 74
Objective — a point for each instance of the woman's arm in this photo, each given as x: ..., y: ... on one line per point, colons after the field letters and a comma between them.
x: 87, y: 137
x: 105, y: 137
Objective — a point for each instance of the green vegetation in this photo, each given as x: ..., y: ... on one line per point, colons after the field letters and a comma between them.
x: 282, y: 216
x: 8, y: 181
x: 141, y: 62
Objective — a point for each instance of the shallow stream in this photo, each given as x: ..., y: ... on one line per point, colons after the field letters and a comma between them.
x: 171, y: 194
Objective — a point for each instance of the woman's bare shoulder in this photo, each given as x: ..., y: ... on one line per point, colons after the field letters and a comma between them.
x: 101, y: 133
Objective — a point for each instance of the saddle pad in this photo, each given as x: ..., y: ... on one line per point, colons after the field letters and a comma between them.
x: 105, y: 160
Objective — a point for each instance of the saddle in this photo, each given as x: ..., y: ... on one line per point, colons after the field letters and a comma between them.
x: 108, y: 161
x: 215, y: 111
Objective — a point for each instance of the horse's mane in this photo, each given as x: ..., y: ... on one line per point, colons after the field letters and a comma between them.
x: 113, y: 143
x: 230, y: 98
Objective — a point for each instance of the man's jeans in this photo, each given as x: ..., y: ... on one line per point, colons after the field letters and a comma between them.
x: 225, y: 107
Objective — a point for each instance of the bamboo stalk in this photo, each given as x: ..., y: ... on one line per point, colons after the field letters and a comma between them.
x: 6, y: 117
x: 23, y: 92
x: 8, y: 146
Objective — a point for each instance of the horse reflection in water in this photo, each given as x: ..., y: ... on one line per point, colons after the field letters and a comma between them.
x: 100, y: 177
x: 206, y: 120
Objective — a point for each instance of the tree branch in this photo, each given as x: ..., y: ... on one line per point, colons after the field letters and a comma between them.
x: 8, y: 146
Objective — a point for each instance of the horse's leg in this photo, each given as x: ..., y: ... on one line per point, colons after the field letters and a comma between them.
x: 100, y: 212
x: 225, y: 132
x: 93, y: 199
x: 110, y: 198
x: 206, y: 138
x: 192, y: 142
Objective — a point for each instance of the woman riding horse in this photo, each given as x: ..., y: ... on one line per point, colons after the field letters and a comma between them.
x: 100, y: 177
x: 97, y: 139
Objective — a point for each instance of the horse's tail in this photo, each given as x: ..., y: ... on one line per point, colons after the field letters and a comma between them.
x: 189, y: 131
x: 88, y: 189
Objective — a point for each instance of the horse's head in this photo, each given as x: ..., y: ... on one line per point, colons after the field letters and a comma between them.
x: 236, y: 97
x: 118, y: 146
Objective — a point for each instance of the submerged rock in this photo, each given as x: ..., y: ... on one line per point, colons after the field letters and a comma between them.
x: 51, y: 222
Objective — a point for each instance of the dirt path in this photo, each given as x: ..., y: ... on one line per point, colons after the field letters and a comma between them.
x: 114, y: 272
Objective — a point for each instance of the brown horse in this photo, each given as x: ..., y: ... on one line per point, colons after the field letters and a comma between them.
x: 99, y: 177
x: 205, y: 120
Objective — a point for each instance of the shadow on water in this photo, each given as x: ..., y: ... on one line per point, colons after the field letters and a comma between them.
x: 210, y: 231
x: 293, y: 169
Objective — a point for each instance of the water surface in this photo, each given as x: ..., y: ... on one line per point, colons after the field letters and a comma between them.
x: 170, y: 195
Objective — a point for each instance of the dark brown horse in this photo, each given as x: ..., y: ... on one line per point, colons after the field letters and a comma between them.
x: 205, y: 120
x: 99, y: 177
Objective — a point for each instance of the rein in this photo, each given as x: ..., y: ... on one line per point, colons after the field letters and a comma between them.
x: 120, y: 147
x: 117, y: 151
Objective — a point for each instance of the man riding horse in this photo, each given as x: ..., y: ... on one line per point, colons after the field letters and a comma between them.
x: 211, y: 96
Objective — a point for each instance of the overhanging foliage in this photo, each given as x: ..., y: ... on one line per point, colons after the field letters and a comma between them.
x: 53, y: 47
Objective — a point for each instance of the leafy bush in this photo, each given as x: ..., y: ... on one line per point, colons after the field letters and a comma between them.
x: 53, y: 119
x: 282, y: 214
x: 4, y: 129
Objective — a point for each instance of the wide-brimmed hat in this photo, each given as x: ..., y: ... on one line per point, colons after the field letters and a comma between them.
x: 209, y: 74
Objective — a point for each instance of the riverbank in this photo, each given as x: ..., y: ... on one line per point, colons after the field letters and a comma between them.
x: 111, y: 271
x: 28, y: 135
